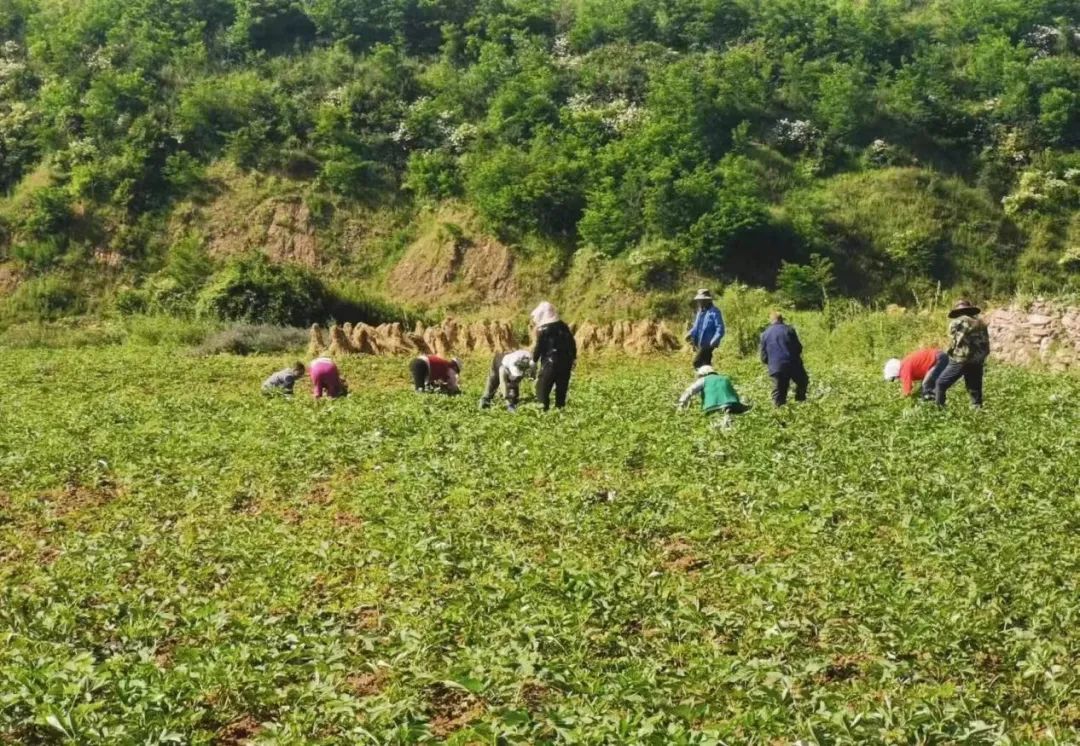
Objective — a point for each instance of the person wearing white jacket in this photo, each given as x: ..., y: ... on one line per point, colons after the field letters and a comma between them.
x: 507, y: 371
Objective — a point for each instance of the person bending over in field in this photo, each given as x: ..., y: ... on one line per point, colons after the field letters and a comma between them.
x: 969, y: 346
x: 781, y: 351
x: 431, y: 373
x: 923, y: 366
x: 283, y: 381
x: 718, y: 395
x: 507, y: 371
x: 326, y: 379
x: 555, y: 352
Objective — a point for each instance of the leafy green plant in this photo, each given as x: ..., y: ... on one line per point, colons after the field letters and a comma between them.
x: 201, y: 563
x: 806, y: 285
x: 45, y: 297
x: 254, y: 289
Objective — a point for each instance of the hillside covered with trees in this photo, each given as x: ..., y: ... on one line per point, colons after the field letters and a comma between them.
x: 877, y: 150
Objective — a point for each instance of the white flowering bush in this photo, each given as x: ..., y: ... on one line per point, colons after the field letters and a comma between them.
x: 1041, y: 191
x: 795, y: 135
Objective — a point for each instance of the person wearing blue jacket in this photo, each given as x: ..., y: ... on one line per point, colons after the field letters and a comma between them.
x: 781, y: 351
x: 708, y: 329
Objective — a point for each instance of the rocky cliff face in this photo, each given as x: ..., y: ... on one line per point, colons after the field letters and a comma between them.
x: 1044, y: 332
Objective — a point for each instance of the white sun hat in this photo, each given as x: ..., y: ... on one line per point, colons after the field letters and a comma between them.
x: 892, y: 369
x: 705, y: 370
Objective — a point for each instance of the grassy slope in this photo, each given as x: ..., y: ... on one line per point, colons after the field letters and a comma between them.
x: 862, y: 216
x: 181, y: 556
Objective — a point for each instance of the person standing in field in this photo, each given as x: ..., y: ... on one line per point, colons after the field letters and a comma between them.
x: 717, y: 392
x: 707, y: 330
x: 969, y: 346
x: 781, y: 352
x: 555, y: 352
x: 284, y: 380
x: 326, y: 379
x: 435, y: 373
x: 923, y: 366
x: 507, y: 371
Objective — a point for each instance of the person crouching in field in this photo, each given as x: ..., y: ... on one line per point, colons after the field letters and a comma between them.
x: 781, y: 351
x: 718, y: 395
x: 507, y: 370
x: 326, y: 379
x: 969, y: 346
x: 283, y: 381
x: 555, y: 352
x: 435, y: 374
x: 923, y: 366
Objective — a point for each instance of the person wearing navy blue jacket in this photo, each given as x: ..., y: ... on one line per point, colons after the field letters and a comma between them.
x: 781, y: 351
x: 708, y: 329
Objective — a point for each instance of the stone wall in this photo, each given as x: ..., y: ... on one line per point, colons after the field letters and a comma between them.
x: 454, y: 338
x: 1042, y: 332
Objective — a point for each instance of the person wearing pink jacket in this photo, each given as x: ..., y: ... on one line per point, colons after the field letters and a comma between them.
x: 326, y: 379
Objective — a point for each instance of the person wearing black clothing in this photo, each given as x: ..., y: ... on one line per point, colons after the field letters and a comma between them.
x: 781, y: 351
x: 556, y: 352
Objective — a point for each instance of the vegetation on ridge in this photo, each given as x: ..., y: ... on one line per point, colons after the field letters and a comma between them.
x: 905, y: 143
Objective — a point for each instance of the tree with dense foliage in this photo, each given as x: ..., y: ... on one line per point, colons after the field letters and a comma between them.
x: 733, y: 129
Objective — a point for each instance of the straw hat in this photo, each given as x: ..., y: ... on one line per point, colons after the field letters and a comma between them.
x: 703, y: 294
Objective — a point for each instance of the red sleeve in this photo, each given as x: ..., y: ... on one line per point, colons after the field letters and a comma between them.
x: 906, y: 383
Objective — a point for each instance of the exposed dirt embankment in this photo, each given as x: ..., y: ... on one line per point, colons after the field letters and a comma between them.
x: 451, y: 264
x: 1043, y: 332
x: 240, y: 212
x: 451, y: 337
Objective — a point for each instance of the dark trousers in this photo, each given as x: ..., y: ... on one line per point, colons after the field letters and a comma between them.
x: 794, y: 373
x: 513, y: 386
x: 703, y: 356
x: 972, y: 373
x: 929, y: 383
x: 420, y: 371
x: 553, y: 374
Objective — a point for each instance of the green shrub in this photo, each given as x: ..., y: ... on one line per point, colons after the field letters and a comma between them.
x: 175, y: 288
x: 256, y: 290
x: 433, y: 174
x: 39, y: 254
x: 669, y: 305
x: 655, y: 264
x: 131, y: 301
x: 347, y: 173
x: 254, y: 339
x: 183, y: 172
x: 746, y: 313
x: 46, y: 297
x: 806, y: 285
x: 48, y: 213
x: 350, y: 303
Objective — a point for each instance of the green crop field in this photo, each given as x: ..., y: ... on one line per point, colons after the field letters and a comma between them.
x: 185, y: 561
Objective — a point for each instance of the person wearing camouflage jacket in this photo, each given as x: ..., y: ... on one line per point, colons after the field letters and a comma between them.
x: 969, y: 346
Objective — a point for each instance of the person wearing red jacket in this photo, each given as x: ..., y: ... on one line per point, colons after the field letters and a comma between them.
x: 434, y: 373
x: 923, y: 365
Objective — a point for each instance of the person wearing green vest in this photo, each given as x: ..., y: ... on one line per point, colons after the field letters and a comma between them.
x: 717, y: 393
